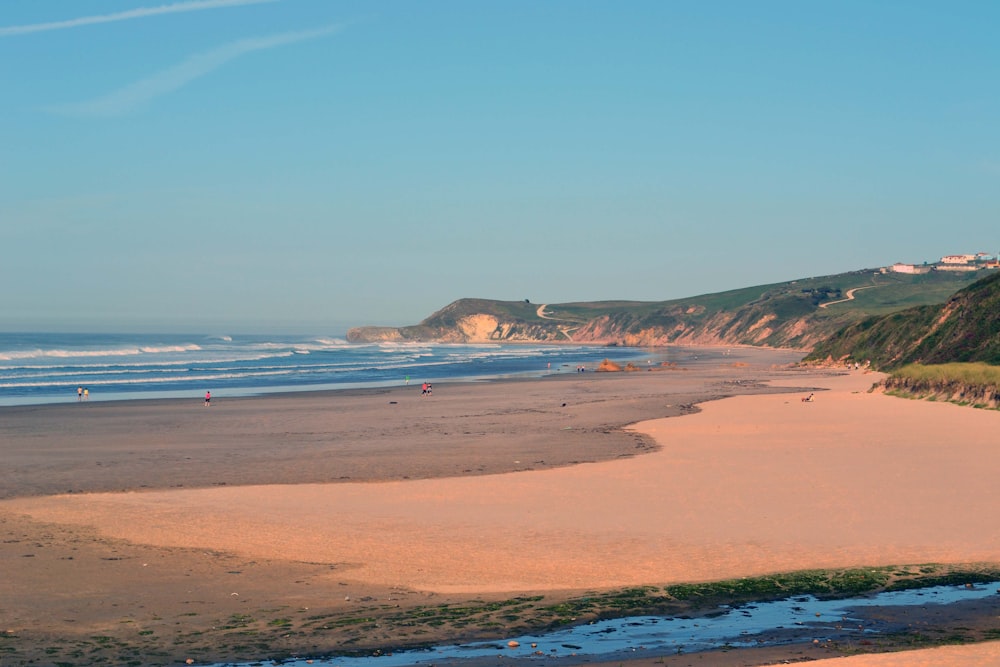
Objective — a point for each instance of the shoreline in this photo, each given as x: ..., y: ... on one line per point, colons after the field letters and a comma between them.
x: 333, y: 436
x: 243, y: 392
x: 288, y: 546
x: 121, y: 392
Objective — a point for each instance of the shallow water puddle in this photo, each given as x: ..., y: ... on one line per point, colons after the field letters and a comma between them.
x: 801, y: 618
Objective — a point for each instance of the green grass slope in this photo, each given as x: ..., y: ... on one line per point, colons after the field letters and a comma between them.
x: 966, y: 328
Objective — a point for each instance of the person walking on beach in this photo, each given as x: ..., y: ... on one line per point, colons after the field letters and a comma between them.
x: 86, y: 394
x: 423, y: 389
x: 208, y: 398
x: 79, y: 393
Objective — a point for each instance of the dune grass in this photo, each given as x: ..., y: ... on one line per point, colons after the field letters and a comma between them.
x: 974, y: 374
x: 973, y: 383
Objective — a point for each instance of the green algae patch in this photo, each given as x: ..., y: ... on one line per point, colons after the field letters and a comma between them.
x: 375, y: 628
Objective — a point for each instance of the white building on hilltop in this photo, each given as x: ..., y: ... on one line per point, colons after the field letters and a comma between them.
x: 958, y: 259
x: 957, y: 263
x: 957, y: 267
x: 899, y: 267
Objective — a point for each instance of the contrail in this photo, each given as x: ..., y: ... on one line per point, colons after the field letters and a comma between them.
x: 137, y: 13
x: 166, y: 81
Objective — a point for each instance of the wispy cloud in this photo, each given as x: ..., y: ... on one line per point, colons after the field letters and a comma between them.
x: 141, y: 92
x: 137, y: 13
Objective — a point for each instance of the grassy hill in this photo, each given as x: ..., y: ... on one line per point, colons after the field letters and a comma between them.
x: 797, y: 314
x: 966, y: 328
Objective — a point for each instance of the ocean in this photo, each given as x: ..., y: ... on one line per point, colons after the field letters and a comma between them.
x: 37, y: 368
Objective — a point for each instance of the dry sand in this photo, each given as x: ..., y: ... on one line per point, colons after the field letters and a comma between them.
x: 985, y: 654
x: 751, y: 484
x: 982, y: 655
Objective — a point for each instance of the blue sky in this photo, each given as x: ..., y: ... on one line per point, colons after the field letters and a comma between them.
x: 309, y: 165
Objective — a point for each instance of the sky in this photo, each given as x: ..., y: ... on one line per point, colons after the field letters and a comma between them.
x: 266, y: 166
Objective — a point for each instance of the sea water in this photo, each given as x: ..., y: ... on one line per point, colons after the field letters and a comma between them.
x: 50, y: 368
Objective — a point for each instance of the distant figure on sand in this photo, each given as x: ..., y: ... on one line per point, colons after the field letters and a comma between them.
x: 808, y: 399
x: 208, y: 398
x: 79, y: 393
x: 423, y: 389
x: 86, y: 393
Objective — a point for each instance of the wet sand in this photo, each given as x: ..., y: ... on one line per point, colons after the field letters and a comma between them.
x: 482, y: 491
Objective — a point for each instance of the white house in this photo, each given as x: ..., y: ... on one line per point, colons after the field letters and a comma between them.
x: 899, y: 267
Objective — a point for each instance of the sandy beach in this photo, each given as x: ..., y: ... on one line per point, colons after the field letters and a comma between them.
x: 148, y: 521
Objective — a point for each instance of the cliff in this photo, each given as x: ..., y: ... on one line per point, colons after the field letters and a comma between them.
x: 797, y: 314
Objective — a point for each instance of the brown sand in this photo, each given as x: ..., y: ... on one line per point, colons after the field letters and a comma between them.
x: 752, y: 484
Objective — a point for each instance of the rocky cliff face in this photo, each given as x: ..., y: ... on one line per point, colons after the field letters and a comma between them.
x: 738, y: 328
x: 474, y: 328
x: 689, y: 328
x: 374, y: 335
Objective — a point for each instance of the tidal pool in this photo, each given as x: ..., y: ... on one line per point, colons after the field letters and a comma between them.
x: 796, y: 619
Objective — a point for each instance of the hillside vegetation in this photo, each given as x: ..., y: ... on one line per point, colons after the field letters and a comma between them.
x: 966, y: 328
x: 948, y: 352
x: 796, y: 314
